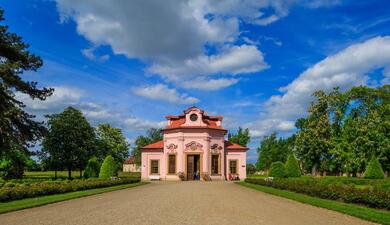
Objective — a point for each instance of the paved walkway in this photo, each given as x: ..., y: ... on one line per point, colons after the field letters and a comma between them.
x: 179, y: 203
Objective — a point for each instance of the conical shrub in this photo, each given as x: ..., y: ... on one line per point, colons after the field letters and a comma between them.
x: 92, y: 169
x: 277, y: 170
x: 108, y: 168
x: 374, y: 170
x: 292, y: 167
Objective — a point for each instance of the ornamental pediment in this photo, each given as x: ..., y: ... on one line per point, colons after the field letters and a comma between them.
x: 171, y: 148
x: 215, y: 148
x: 193, y: 146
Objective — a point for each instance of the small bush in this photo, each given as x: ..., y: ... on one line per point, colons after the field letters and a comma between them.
x: 374, y: 170
x: 292, y: 167
x: 92, y: 169
x: 277, y: 170
x: 108, y: 168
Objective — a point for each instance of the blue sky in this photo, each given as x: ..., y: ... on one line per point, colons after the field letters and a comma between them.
x: 254, y: 62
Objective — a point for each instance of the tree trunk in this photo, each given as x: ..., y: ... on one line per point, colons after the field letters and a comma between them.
x: 70, y: 173
x: 81, y: 173
x: 314, y: 170
x: 55, y: 174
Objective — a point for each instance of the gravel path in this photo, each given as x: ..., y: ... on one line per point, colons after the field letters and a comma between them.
x: 179, y: 203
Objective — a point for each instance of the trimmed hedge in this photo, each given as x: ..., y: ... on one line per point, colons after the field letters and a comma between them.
x: 29, y: 190
x: 277, y: 170
x: 374, y: 170
x: 292, y: 167
x: 372, y: 197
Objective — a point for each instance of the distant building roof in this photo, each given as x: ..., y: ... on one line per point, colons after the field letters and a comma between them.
x: 155, y: 145
x: 130, y: 160
x: 233, y: 146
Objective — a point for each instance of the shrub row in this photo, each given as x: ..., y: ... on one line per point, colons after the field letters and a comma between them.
x: 372, y: 197
x: 30, y: 190
x: 349, y: 180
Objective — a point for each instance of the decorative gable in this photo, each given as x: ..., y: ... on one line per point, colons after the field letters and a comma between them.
x: 194, y: 117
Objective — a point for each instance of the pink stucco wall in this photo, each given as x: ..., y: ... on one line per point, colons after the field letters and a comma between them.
x: 177, y: 141
x: 145, y: 163
x: 241, y: 157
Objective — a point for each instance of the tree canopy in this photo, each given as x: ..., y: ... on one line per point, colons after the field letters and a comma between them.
x: 242, y: 137
x: 18, y: 129
x: 70, y: 141
x: 272, y: 150
x: 111, y: 142
x: 152, y: 135
x: 344, y: 130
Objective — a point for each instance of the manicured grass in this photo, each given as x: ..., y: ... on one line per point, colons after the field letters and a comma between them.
x: 33, y: 202
x: 374, y: 215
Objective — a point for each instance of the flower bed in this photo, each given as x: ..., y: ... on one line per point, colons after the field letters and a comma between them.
x: 373, y: 197
x: 29, y: 190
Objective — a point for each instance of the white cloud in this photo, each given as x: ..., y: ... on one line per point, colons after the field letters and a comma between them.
x: 147, y: 29
x: 322, y: 3
x: 98, y: 113
x: 164, y: 93
x: 133, y: 123
x: 347, y: 68
x: 62, y: 96
x: 170, y: 36
x: 232, y: 60
x: 95, y: 112
x: 89, y: 54
x: 208, y: 85
x: 267, y: 20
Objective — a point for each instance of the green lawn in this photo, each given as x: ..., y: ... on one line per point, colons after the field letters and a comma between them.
x: 374, y: 215
x: 38, y: 201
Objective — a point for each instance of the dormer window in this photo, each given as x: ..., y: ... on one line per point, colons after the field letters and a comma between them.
x: 193, y: 117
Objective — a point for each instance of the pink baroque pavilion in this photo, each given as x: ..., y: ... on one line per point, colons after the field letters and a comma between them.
x: 193, y: 148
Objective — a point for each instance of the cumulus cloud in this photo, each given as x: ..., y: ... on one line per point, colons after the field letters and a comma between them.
x: 61, y: 97
x: 96, y: 113
x: 164, y: 93
x: 170, y: 36
x: 232, y: 60
x: 208, y: 85
x: 347, y: 68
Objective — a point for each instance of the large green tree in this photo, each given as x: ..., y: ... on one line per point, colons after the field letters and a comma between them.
x: 152, y: 135
x: 17, y: 127
x: 111, y: 142
x: 313, y: 140
x: 345, y: 129
x: 367, y: 126
x: 273, y: 149
x: 70, y: 141
x: 242, y: 137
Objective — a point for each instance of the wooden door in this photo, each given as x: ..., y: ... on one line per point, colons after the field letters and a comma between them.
x: 215, y: 164
x: 190, y: 167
